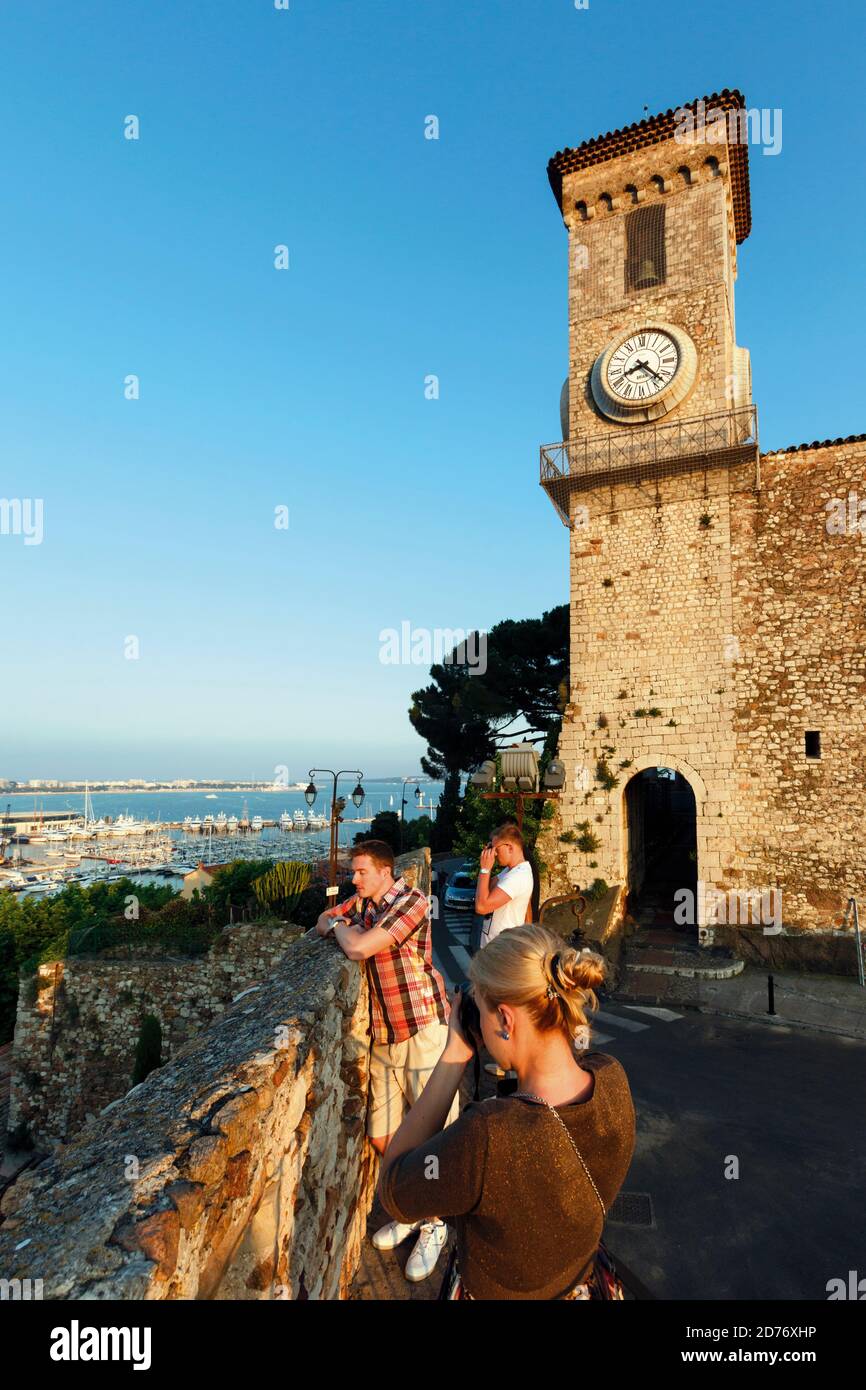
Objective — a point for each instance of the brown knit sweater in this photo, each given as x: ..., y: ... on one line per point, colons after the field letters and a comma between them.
x: 527, y: 1220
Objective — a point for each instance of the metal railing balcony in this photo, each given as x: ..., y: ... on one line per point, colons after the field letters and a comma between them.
x: 642, y: 452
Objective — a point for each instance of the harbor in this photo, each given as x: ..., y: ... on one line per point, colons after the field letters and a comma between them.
x: 47, y: 848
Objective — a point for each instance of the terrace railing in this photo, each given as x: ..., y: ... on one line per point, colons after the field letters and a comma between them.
x: 725, y: 438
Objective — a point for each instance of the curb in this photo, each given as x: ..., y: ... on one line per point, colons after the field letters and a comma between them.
x: 773, y: 1020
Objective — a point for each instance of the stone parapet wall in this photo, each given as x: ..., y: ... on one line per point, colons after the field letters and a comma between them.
x: 239, y: 1169
x: 76, y: 1033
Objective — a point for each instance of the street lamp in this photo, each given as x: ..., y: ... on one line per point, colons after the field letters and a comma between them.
x: 338, y: 805
x: 403, y: 809
x: 519, y: 778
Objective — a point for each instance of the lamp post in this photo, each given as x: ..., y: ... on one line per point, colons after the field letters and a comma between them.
x: 519, y: 778
x: 403, y: 809
x: 337, y: 807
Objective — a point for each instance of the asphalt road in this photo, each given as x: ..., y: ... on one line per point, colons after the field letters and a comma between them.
x: 781, y: 1106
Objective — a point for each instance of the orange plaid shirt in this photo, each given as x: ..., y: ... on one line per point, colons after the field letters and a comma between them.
x: 407, y: 992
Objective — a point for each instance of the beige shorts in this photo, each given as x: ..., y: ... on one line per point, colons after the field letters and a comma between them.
x: 398, y: 1074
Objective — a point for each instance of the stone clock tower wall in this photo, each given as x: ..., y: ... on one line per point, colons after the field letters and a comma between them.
x: 715, y: 619
x: 698, y: 290
x: 742, y: 620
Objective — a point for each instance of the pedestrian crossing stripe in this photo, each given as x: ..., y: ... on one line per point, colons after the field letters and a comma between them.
x: 666, y: 1015
x: 630, y: 1025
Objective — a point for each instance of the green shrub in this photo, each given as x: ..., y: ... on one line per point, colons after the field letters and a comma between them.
x: 604, y: 775
x: 282, y: 886
x: 587, y: 842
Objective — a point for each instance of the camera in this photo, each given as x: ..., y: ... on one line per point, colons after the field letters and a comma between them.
x: 470, y: 1018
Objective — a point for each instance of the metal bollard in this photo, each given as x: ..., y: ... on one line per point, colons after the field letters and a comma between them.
x: 770, y: 995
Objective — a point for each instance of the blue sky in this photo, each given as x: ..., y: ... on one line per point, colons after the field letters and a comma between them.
x: 305, y: 388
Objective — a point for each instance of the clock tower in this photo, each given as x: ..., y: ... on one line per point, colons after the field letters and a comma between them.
x: 714, y: 735
x: 659, y: 433
x: 654, y: 215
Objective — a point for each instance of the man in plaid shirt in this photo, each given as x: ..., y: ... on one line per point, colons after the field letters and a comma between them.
x: 387, y: 925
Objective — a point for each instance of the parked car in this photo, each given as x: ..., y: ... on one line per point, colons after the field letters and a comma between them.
x: 460, y: 891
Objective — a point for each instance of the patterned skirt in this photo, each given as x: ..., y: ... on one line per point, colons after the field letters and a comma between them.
x: 602, y: 1283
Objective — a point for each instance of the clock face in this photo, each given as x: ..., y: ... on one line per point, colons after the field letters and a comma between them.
x: 643, y: 366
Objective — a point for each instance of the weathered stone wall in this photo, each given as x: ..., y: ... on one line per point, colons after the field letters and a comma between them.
x: 651, y: 606
x: 75, y: 1041
x: 715, y: 596
x: 737, y: 615
x: 239, y: 1169
x: 800, y: 664
x: 697, y: 293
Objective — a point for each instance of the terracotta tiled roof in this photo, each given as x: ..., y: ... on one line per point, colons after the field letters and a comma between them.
x: 653, y: 131
x: 817, y: 444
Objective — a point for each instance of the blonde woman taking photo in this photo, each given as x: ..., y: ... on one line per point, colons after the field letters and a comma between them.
x: 526, y: 1178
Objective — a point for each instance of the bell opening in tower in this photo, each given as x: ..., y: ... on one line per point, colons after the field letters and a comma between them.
x: 662, y: 858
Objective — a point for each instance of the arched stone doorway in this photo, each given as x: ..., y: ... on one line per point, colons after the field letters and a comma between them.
x: 661, y: 843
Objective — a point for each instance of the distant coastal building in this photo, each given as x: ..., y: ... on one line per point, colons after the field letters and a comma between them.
x: 200, y: 878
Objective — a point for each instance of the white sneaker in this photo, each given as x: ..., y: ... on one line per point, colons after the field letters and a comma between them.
x: 428, y: 1248
x: 390, y: 1236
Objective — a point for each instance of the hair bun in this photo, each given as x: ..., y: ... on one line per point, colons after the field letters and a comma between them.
x: 558, y: 976
x: 571, y: 969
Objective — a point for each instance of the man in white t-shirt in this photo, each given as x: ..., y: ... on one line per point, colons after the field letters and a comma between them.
x: 508, y: 895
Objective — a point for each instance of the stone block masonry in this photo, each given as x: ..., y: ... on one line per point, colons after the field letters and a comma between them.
x: 718, y: 594
x: 741, y: 619
x: 76, y: 1032
x: 238, y: 1170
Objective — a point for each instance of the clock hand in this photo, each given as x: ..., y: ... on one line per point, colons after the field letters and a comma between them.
x: 647, y: 368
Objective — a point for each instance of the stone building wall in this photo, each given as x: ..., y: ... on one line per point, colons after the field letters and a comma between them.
x: 651, y: 605
x: 75, y: 1041
x: 800, y: 602
x: 697, y: 293
x: 714, y: 595
x: 737, y: 614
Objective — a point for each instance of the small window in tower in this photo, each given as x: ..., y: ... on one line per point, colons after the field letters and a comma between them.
x: 645, y: 247
x: 813, y: 743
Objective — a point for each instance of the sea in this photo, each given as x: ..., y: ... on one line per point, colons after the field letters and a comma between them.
x: 159, y: 807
